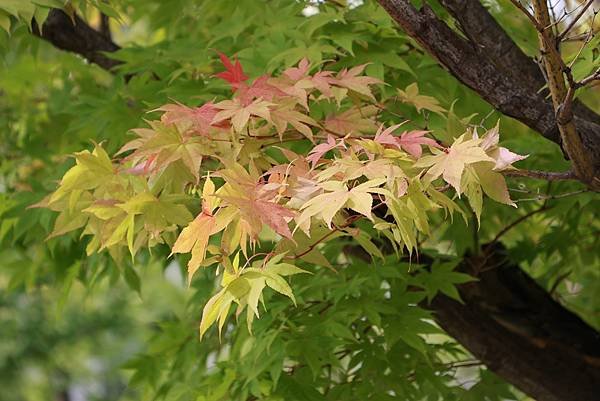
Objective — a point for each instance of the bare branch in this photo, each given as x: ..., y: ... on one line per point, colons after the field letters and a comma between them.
x: 517, y: 222
x: 539, y: 27
x: 593, y: 77
x: 575, y: 20
x: 561, y: 98
x: 541, y: 175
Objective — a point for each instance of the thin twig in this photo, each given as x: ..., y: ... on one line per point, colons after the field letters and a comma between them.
x: 574, y: 21
x: 590, y: 78
x: 518, y: 221
x: 548, y: 197
x: 528, y: 14
x: 542, y: 175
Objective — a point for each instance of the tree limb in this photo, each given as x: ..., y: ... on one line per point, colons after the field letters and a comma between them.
x: 521, y: 333
x: 491, y: 41
x: 76, y: 36
x: 484, y: 74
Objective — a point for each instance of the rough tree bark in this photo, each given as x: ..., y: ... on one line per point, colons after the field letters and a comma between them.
x: 518, y: 331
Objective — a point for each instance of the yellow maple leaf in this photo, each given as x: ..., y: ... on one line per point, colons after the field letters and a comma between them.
x: 450, y: 164
x: 411, y: 95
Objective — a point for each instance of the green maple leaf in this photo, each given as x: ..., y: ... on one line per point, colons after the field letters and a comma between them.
x: 442, y: 278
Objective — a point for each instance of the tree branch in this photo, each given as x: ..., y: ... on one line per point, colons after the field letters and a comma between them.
x: 575, y: 20
x: 554, y: 64
x: 104, y: 27
x: 479, y: 68
x: 491, y: 41
x: 515, y: 328
x: 518, y: 331
x: 78, y: 37
x: 541, y: 175
x: 592, y: 77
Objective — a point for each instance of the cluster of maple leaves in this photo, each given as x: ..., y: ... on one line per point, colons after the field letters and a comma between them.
x: 231, y: 164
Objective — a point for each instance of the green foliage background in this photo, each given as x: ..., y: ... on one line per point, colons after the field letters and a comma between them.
x: 129, y: 332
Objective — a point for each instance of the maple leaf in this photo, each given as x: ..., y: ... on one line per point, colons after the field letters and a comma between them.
x: 504, y: 158
x: 411, y: 95
x: 412, y: 142
x: 493, y: 183
x: 260, y: 88
x: 352, y: 121
x: 285, y: 115
x: 328, y: 204
x: 385, y: 137
x: 301, y: 81
x: 245, y: 287
x: 324, y: 206
x: 239, y: 114
x: 318, y: 151
x: 254, y: 201
x: 256, y: 211
x: 194, y: 238
x: 322, y: 81
x: 409, y: 141
x: 349, y: 79
x: 273, y: 215
x: 162, y: 147
x: 196, y: 119
x: 234, y: 73
x: 451, y: 164
x: 297, y: 73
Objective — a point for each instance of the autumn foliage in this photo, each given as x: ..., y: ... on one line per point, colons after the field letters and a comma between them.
x: 216, y: 180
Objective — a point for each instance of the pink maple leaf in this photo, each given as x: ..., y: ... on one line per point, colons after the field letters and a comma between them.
x: 318, y: 151
x: 322, y: 80
x: 409, y: 141
x: 385, y: 137
x: 196, y: 119
x: 350, y: 79
x: 260, y: 88
x: 504, y: 158
x: 297, y: 73
x: 412, y: 142
x: 274, y: 216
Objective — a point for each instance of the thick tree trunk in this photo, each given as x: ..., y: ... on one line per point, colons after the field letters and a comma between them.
x: 519, y: 332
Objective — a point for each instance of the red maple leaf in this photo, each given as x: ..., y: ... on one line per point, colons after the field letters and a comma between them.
x: 234, y: 73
